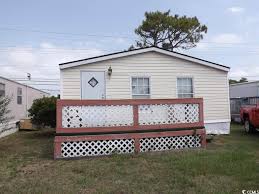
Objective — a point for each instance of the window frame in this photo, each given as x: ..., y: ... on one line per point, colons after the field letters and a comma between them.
x: 187, y: 77
x: 4, y: 88
x: 149, y: 86
x: 19, y: 95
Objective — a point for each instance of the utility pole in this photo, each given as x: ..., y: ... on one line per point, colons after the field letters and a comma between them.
x: 29, y: 78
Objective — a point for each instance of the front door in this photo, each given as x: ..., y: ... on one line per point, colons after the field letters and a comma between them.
x: 92, y: 85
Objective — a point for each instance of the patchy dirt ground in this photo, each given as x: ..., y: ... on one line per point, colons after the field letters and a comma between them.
x: 228, y: 165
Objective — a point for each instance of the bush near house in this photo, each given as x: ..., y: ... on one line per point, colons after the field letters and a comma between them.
x: 43, y: 111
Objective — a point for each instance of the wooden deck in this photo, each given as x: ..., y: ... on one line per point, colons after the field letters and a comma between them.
x: 104, y: 127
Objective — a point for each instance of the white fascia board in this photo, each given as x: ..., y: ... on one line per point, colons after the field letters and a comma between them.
x: 87, y: 61
x: 134, y: 52
x: 188, y: 58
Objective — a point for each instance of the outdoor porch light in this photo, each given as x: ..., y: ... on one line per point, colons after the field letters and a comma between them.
x: 110, y: 71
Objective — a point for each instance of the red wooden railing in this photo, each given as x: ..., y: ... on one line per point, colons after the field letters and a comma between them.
x: 98, y: 116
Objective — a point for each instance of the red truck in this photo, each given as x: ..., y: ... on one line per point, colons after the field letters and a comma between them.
x: 249, y: 115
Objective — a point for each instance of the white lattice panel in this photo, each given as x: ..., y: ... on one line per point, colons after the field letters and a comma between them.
x: 169, y: 143
x: 96, y: 148
x: 168, y: 114
x: 97, y: 116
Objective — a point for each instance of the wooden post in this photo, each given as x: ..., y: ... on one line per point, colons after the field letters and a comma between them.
x: 201, y: 116
x: 59, y: 116
x: 203, y: 139
x: 57, y: 149
x: 135, y: 115
x: 136, y: 145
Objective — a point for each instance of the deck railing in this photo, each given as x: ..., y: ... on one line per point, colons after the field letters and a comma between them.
x: 98, y: 116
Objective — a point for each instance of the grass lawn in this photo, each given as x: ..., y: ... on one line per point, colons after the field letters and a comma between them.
x: 228, y: 165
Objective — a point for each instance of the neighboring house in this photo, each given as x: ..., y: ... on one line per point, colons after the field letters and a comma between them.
x: 22, y: 97
x: 151, y: 73
x: 246, y: 93
x: 244, y: 90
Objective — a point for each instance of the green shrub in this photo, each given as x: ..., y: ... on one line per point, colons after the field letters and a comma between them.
x: 43, y: 111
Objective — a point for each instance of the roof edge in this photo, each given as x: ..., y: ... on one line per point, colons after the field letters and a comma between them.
x: 243, y: 83
x: 138, y: 51
x: 24, y: 85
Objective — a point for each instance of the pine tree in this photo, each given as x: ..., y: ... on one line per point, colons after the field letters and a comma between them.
x: 169, y: 31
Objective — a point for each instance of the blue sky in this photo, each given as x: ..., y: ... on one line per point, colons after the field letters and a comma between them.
x: 37, y: 35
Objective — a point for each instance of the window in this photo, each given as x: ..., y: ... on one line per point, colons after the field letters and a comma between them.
x: 185, y: 87
x: 140, y: 87
x: 19, y: 95
x: 2, y: 90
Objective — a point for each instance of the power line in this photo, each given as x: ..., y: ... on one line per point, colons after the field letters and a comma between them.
x: 236, y: 54
x: 60, y: 49
x: 18, y: 48
x: 228, y: 45
x: 111, y: 36
x: 58, y: 80
x: 22, y: 49
x: 51, y: 81
x: 64, y: 33
x: 50, y: 90
x: 81, y: 50
x: 35, y: 67
x: 244, y: 76
x: 39, y: 82
x: 35, y: 79
x: 42, y: 84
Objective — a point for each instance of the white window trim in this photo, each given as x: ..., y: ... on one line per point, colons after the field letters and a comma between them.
x: 140, y: 76
x: 193, y: 83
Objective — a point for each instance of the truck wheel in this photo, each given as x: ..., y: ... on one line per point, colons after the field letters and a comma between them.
x: 249, y: 128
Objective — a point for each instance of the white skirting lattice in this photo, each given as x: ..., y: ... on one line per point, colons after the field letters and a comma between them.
x: 123, y: 146
x: 169, y: 143
x: 97, y: 148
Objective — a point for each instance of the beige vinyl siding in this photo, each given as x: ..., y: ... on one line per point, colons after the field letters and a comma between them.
x: 163, y: 70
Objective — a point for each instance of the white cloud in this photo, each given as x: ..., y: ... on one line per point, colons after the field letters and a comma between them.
x: 228, y: 38
x: 236, y: 9
x: 22, y: 56
x: 46, y: 45
x: 202, y: 46
x: 42, y: 62
x: 236, y: 73
x: 121, y: 41
x: 43, y: 59
x: 251, y: 19
x: 248, y: 70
